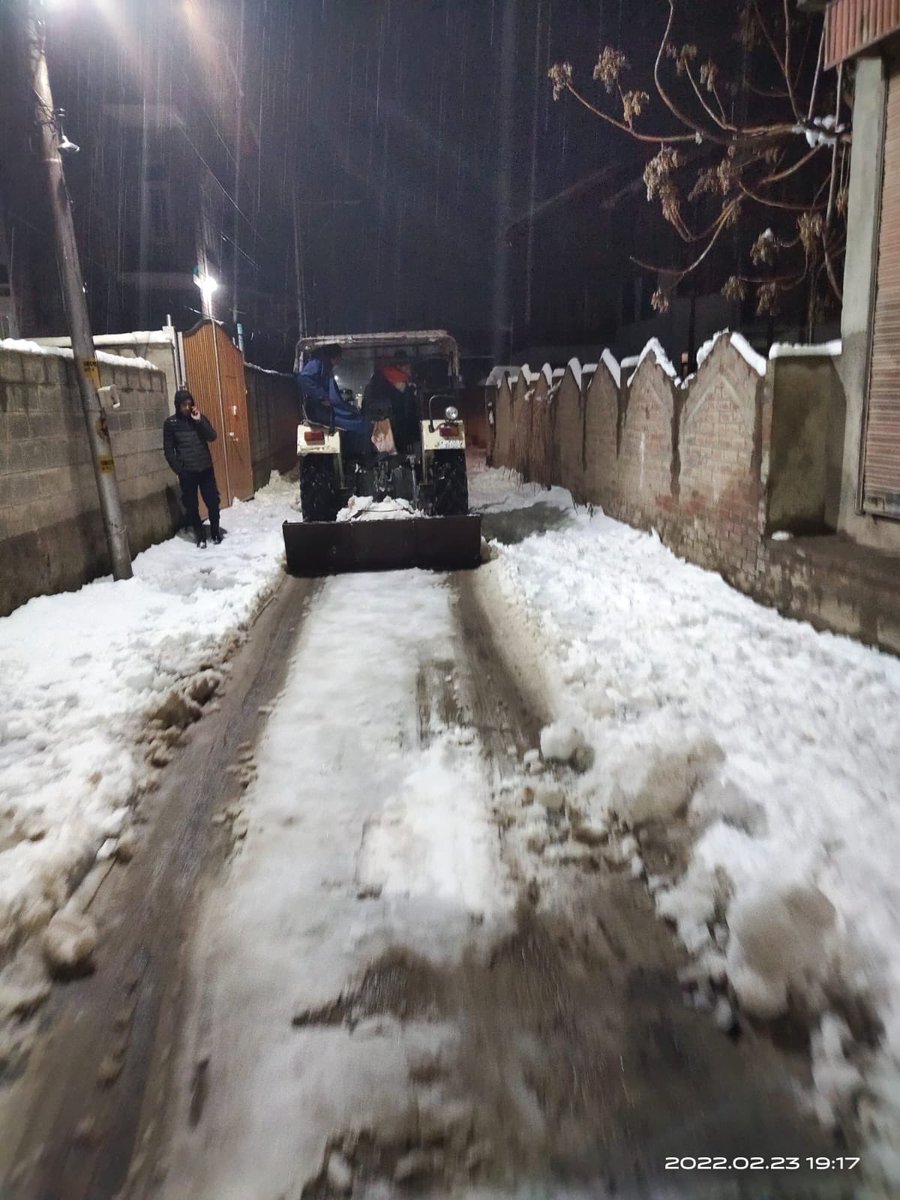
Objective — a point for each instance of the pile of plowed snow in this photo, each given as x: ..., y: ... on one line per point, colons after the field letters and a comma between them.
x: 765, y: 753
x: 367, y: 508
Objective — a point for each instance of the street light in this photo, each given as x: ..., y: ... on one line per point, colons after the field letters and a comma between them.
x: 207, y: 285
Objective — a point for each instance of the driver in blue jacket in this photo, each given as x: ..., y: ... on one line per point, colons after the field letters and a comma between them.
x: 323, y: 403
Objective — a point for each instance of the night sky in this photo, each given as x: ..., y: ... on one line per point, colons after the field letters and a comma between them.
x: 406, y: 142
x: 408, y: 132
x: 405, y: 129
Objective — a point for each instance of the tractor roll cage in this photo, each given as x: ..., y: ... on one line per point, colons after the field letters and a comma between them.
x: 418, y: 344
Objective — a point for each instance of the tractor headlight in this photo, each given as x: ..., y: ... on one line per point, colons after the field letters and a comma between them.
x: 451, y: 413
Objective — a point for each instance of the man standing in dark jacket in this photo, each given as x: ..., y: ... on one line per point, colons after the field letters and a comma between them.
x: 186, y: 438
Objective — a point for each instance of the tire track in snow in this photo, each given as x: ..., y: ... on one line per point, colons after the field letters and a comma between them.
x: 412, y: 1023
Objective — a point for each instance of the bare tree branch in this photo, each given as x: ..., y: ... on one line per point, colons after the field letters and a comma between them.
x: 759, y: 165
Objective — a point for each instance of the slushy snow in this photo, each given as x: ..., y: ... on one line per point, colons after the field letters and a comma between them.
x: 94, y: 683
x: 770, y: 750
x: 367, y: 508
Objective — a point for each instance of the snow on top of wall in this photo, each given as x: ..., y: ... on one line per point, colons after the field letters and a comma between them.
x: 654, y: 347
x: 740, y: 343
x: 21, y: 346
x: 823, y: 350
x: 151, y: 337
x: 631, y: 364
x: 497, y: 374
x: 607, y: 358
x: 707, y: 348
x: 612, y: 366
x: 577, y: 370
x: 267, y: 371
x: 553, y: 375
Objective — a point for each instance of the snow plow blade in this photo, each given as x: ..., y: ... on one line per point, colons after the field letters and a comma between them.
x: 434, y: 543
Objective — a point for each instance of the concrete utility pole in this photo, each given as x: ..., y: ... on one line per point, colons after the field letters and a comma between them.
x: 86, y: 367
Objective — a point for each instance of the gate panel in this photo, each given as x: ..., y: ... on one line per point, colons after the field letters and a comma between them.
x: 215, y: 376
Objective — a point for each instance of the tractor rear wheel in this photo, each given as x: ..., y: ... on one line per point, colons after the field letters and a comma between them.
x: 318, y: 488
x: 451, y: 487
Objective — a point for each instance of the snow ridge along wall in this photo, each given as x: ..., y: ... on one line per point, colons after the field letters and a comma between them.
x: 51, y: 533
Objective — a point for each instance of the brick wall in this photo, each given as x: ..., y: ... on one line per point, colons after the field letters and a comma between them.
x: 644, y: 488
x: 687, y: 461
x: 504, y: 421
x: 522, y: 437
x: 544, y: 450
x: 721, y: 511
x: 51, y: 532
x: 701, y: 463
x: 601, y: 439
x: 273, y: 413
x: 570, y: 409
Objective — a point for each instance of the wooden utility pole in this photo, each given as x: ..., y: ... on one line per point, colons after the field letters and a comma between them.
x: 86, y: 368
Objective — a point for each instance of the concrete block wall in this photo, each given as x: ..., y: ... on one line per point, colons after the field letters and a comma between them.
x: 273, y: 414
x: 808, y: 429
x: 51, y: 532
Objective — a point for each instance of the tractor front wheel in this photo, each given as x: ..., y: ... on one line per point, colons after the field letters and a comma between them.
x: 318, y: 488
x: 451, y: 487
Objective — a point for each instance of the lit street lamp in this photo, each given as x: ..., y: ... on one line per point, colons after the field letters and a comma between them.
x: 207, y: 285
x: 51, y: 142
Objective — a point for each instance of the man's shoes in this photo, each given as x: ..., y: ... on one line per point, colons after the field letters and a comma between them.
x: 200, y: 538
x: 217, y: 536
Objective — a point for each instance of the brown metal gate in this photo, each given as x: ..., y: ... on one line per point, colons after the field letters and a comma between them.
x: 215, y: 375
x: 881, y: 464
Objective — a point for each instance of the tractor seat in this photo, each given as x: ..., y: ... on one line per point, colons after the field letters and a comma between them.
x: 308, y: 420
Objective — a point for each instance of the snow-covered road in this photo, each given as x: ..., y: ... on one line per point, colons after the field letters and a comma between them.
x: 360, y: 840
x: 384, y: 995
x: 397, y: 850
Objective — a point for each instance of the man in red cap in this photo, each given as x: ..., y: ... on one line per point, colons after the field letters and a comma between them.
x: 389, y: 395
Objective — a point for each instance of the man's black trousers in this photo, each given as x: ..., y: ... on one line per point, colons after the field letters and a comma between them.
x: 204, y: 482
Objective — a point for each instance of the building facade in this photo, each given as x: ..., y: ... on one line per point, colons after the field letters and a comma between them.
x: 866, y: 34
